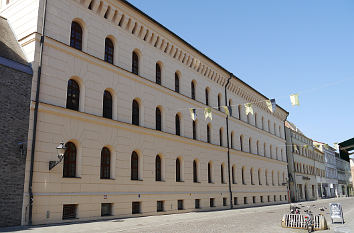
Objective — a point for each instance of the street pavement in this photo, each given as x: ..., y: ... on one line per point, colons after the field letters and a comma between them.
x: 248, y: 220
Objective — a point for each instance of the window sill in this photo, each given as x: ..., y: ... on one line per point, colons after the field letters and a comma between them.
x: 107, y: 179
x: 198, y: 182
x: 160, y: 180
x: 67, y: 177
x: 137, y: 180
x: 181, y: 181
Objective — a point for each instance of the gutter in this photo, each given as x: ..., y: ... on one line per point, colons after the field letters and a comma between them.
x: 35, y: 116
x: 228, y: 141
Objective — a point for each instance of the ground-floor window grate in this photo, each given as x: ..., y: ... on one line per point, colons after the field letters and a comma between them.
x: 69, y: 211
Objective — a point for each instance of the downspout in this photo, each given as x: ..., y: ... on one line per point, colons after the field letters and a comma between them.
x: 288, y: 166
x: 228, y: 142
x: 35, y: 116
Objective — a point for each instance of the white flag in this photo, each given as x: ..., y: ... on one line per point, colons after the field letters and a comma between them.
x: 248, y: 109
x: 294, y: 98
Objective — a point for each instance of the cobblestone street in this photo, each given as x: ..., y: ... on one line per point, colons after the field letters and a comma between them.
x: 259, y: 219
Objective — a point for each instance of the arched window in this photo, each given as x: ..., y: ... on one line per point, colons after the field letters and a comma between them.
x: 220, y: 136
x: 273, y: 178
x: 271, y: 151
x: 241, y: 143
x: 195, y: 171
x: 158, y: 119
x: 219, y: 102
x: 134, y: 166
x: 158, y: 168
x: 107, y: 105
x: 158, y: 74
x: 69, y: 168
x: 230, y: 107
x: 264, y: 149
x: 76, y: 36
x: 274, y: 126
x: 135, y: 113
x: 259, y: 177
x: 210, y: 180
x: 239, y: 111
x: 178, y: 125
x: 178, y: 170
x: 243, y: 175
x: 105, y: 163
x: 266, y: 177
x: 256, y: 120
x: 135, y: 63
x: 194, y: 130
x: 269, y: 126
x: 257, y: 144
x: 206, y: 96
x: 278, y: 178
x: 263, y: 123
x: 108, y: 51
x: 249, y: 118
x: 208, y: 133
x: 222, y: 174
x: 193, y: 90
x: 251, y: 173
x: 232, y: 140
x: 73, y: 95
x: 250, y: 145
x: 233, y: 174
x: 176, y: 82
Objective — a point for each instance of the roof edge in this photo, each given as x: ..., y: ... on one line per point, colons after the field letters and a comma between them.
x: 195, y: 49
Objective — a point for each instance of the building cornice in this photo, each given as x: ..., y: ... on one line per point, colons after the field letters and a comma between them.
x: 123, y: 14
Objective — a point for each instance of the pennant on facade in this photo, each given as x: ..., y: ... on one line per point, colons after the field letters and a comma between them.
x: 227, y: 110
x: 193, y: 113
x: 294, y: 98
x: 248, y: 108
x: 271, y: 105
x: 208, y: 114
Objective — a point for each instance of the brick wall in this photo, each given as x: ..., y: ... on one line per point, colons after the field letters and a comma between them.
x: 15, y: 88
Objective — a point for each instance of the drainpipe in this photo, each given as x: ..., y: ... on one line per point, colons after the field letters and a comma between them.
x: 228, y: 141
x: 35, y: 116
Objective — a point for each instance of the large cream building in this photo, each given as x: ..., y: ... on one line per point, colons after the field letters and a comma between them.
x: 116, y: 88
x: 306, y: 165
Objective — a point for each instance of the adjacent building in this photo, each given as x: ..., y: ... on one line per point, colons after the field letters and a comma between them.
x: 118, y: 89
x: 15, y: 91
x: 305, y: 165
x: 331, y: 184
x: 344, y: 176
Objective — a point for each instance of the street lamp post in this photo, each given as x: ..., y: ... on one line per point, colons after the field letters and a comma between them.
x: 61, y: 151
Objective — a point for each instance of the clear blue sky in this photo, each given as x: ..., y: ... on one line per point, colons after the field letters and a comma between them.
x: 278, y: 47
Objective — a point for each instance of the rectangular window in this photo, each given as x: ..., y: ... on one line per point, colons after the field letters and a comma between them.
x: 224, y: 201
x: 262, y: 199
x: 254, y: 199
x: 197, y: 203
x: 275, y: 198
x: 180, y: 204
x: 245, y: 200
x: 136, y: 207
x: 235, y: 201
x: 160, y: 206
x: 268, y: 198
x: 280, y: 197
x: 106, y: 209
x: 286, y: 198
x: 69, y: 211
x: 212, y: 202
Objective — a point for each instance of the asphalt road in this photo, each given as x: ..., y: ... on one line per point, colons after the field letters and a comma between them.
x: 249, y: 220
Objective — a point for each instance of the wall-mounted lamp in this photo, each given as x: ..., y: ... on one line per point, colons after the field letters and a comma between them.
x: 60, y: 150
